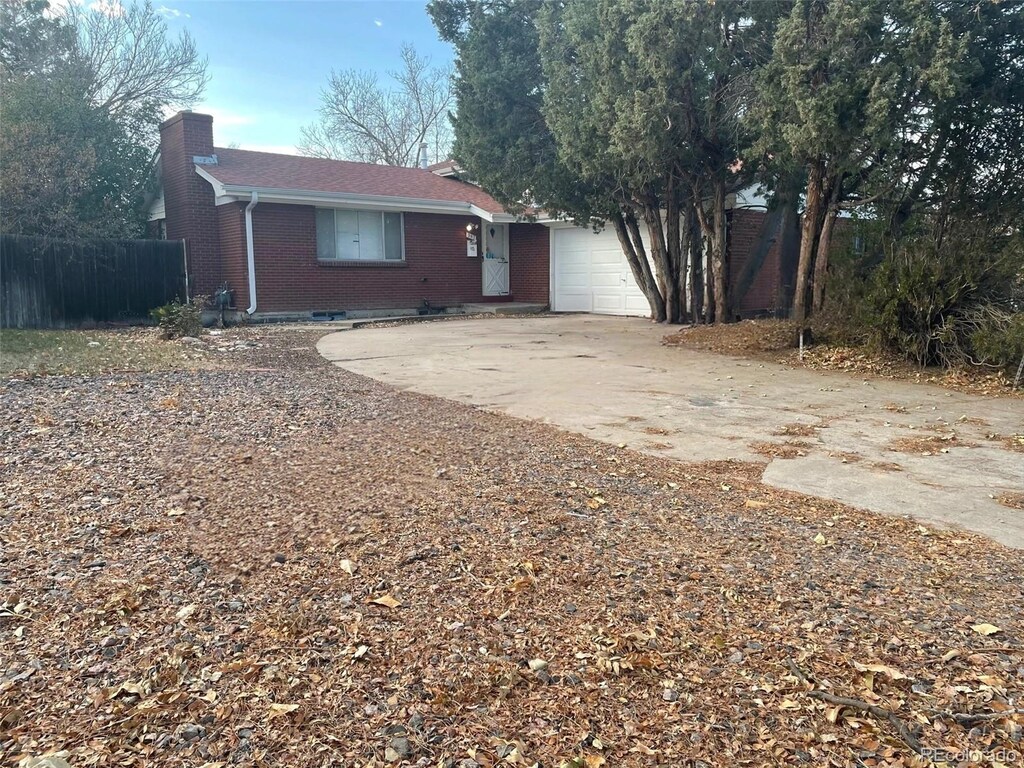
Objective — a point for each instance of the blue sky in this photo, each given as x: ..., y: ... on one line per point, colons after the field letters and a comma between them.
x: 269, y: 59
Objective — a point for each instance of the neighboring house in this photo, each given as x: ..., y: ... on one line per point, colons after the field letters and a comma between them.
x: 297, y: 236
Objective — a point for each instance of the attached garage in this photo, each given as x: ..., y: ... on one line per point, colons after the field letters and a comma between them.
x: 589, y: 273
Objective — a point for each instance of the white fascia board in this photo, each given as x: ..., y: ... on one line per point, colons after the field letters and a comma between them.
x: 551, y: 223
x: 494, y: 218
x: 347, y: 200
x: 561, y: 222
x: 229, y: 193
x: 218, y: 188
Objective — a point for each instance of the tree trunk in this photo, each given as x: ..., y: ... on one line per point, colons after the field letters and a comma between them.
x: 696, y: 271
x: 709, y: 281
x: 809, y: 228
x: 714, y: 230
x: 659, y: 254
x: 636, y: 256
x: 719, y: 256
x: 674, y: 293
x: 825, y: 245
x: 685, y: 248
x: 789, y: 250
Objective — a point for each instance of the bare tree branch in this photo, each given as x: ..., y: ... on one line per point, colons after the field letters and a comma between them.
x: 364, y: 121
x: 132, y: 61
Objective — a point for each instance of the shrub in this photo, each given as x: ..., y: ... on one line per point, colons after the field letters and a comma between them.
x: 950, y: 296
x: 997, y: 339
x: 845, y: 319
x: 177, y: 319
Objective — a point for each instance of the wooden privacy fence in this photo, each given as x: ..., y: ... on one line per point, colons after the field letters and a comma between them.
x: 47, y: 283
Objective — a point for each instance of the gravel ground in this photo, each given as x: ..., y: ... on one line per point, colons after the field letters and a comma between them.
x: 276, y: 562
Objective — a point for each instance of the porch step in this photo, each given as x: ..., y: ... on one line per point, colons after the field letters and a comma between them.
x: 504, y: 308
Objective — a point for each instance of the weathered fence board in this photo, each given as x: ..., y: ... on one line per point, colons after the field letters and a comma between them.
x: 46, y: 283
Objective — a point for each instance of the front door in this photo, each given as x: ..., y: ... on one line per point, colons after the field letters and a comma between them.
x: 495, y: 260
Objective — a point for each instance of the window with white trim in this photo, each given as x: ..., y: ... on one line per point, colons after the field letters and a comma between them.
x: 348, y: 235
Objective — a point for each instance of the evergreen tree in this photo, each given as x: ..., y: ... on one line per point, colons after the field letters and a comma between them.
x: 84, y: 93
x: 835, y: 99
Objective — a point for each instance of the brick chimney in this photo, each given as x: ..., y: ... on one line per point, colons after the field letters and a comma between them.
x: 189, y: 199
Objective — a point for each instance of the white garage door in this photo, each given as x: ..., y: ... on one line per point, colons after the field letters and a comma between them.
x: 591, y: 274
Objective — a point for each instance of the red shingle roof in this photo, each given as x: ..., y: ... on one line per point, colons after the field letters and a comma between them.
x: 244, y: 168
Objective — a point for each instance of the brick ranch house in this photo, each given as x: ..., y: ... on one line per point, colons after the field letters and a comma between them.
x: 300, y: 236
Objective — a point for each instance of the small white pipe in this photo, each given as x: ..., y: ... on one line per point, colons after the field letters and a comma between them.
x: 184, y: 256
x: 250, y: 255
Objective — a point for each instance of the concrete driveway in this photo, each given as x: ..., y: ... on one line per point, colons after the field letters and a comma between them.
x: 611, y: 379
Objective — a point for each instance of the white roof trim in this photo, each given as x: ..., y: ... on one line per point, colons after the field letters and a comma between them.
x: 156, y: 210
x: 229, y: 193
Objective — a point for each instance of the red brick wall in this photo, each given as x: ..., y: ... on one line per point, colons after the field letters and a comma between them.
x: 529, y: 262
x: 289, y: 278
x: 189, y: 199
x: 234, y: 266
x: 744, y: 235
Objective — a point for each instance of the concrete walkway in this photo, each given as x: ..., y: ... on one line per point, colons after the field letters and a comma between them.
x: 611, y: 379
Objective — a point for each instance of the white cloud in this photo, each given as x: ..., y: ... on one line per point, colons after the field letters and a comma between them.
x: 165, y: 11
x: 227, y: 125
x: 224, y: 118
x: 378, y: 22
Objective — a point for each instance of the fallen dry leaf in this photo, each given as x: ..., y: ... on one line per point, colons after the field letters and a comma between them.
x: 883, y: 669
x: 673, y: 583
x: 986, y: 629
x: 278, y: 710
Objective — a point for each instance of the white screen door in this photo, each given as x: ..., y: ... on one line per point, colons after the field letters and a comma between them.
x: 495, y: 261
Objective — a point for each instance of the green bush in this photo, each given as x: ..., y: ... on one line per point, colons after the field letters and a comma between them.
x: 845, y: 319
x: 997, y: 340
x: 177, y: 319
x: 949, y: 297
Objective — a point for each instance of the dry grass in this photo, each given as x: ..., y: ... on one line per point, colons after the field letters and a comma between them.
x: 929, y: 445
x: 1011, y: 500
x: 797, y: 430
x: 750, y: 337
x: 1014, y: 443
x: 847, y: 457
x: 775, y: 340
x: 886, y: 466
x: 658, y: 431
x: 26, y: 353
x: 791, y: 449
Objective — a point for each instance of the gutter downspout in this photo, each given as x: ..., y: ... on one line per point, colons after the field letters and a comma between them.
x: 184, y: 256
x: 250, y: 255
